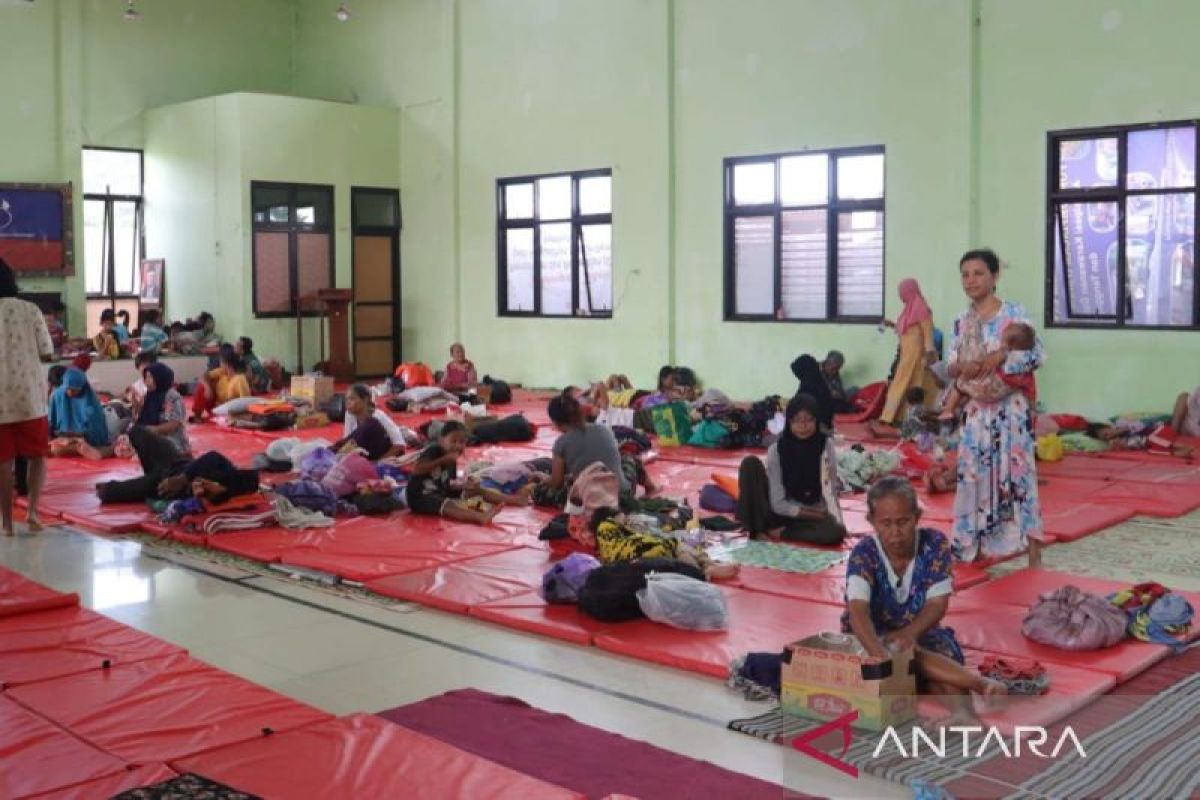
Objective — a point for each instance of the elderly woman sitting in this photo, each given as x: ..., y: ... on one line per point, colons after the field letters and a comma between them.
x: 898, y: 587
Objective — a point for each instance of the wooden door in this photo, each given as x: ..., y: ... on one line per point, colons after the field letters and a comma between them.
x: 376, y: 257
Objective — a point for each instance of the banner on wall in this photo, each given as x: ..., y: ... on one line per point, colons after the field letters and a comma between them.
x: 35, y: 229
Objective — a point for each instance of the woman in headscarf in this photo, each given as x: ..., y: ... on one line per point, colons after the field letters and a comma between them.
x: 161, y: 432
x: 77, y: 423
x: 812, y: 383
x: 792, y: 496
x: 914, y: 327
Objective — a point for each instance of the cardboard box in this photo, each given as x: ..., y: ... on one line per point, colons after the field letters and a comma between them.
x: 828, y: 675
x: 317, y: 420
x: 315, y: 388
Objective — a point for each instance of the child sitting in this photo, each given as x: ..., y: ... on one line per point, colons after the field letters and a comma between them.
x: 121, y: 329
x: 220, y: 385
x: 433, y: 487
x: 152, y: 336
x: 54, y: 324
x: 105, y: 342
x: 460, y: 376
x: 1017, y: 336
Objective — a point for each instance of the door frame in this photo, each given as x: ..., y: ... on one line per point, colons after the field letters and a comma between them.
x: 393, y: 232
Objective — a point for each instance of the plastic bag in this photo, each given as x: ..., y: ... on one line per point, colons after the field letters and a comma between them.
x: 683, y: 602
x: 316, y: 463
x: 1072, y: 619
x: 349, y: 471
x: 563, y: 581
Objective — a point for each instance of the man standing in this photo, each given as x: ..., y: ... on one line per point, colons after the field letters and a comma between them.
x: 24, y: 431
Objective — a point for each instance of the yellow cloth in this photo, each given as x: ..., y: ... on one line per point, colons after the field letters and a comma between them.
x: 621, y: 398
x: 227, y: 387
x: 106, y: 345
x: 911, y: 370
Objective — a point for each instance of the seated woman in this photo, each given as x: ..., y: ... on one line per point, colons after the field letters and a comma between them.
x: 368, y: 428
x: 460, y: 376
x: 206, y: 333
x: 435, y: 490
x: 77, y: 422
x: 898, y: 586
x: 793, y: 496
x: 583, y: 443
x: 220, y: 385
x: 617, y: 539
x: 256, y: 374
x: 151, y: 336
x: 813, y: 383
x: 105, y: 343
x: 161, y: 421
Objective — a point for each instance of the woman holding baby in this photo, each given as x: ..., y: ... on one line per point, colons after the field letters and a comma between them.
x: 996, y: 510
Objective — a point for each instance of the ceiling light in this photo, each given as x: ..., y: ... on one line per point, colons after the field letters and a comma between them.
x: 342, y: 13
x: 131, y: 14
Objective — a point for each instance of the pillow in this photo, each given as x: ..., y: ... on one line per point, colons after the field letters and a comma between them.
x: 238, y: 405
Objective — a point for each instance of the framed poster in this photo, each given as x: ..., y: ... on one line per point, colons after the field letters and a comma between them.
x: 36, y: 229
x: 151, y: 293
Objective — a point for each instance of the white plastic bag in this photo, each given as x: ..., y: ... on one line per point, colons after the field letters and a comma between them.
x: 683, y: 602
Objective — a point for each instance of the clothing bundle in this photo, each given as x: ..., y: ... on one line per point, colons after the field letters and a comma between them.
x: 1072, y: 619
x: 1155, y: 614
x: 1020, y: 675
x: 859, y: 467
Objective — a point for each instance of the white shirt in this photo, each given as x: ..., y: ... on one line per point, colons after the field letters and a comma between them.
x: 857, y: 587
x: 393, y: 430
x: 24, y: 340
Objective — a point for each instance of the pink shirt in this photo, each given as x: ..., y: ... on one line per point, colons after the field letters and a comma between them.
x: 459, y: 376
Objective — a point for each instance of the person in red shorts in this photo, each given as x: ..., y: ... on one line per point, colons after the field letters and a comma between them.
x: 24, y: 430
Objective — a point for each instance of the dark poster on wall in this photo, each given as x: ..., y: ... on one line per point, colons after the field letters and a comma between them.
x: 35, y: 228
x: 1086, y: 233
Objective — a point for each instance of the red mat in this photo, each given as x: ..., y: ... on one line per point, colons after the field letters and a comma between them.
x: 1023, y: 587
x: 362, y: 756
x: 133, y: 777
x: 556, y: 748
x: 1070, y: 689
x: 1068, y: 521
x: 529, y: 612
x: 37, y: 756
x: 263, y: 544
x: 996, y: 628
x: 827, y: 586
x: 366, y: 548
x: 458, y: 586
x: 711, y: 457
x: 1151, y: 499
x: 757, y: 623
x: 20, y: 595
x: 72, y: 496
x: 162, y: 709
x: 65, y: 641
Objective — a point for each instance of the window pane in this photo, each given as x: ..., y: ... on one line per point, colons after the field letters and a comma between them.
x: 314, y: 207
x: 376, y: 210
x: 112, y: 172
x: 860, y: 264
x: 554, y: 198
x: 518, y: 201
x: 1162, y: 159
x: 595, y: 268
x: 804, y: 180
x: 805, y: 264
x: 272, y: 285
x: 1085, y: 163
x: 270, y: 205
x: 519, y: 259
x: 1086, y: 281
x: 860, y: 177
x: 125, y: 242
x: 754, y: 183
x: 595, y: 195
x: 94, y: 246
x: 754, y: 265
x: 312, y: 263
x: 556, y: 268
x: 1158, y: 258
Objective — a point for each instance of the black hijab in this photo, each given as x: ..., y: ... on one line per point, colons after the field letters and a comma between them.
x: 800, y: 459
x: 812, y: 383
x: 152, y: 406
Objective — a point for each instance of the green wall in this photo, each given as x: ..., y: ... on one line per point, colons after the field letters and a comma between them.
x: 81, y: 75
x: 203, y: 155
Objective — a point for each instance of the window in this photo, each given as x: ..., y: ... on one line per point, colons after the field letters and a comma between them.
x: 804, y: 236
x: 555, y: 245
x: 1121, y: 227
x: 293, y: 245
x: 113, y: 239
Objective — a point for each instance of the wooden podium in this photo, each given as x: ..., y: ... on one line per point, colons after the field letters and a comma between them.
x: 333, y: 305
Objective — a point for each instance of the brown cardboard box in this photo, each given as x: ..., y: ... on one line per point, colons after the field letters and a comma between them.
x: 315, y: 388
x: 318, y: 420
x: 828, y: 675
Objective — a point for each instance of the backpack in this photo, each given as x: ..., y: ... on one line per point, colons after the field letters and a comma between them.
x: 562, y: 582
x: 672, y: 424
x: 335, y: 408
x: 514, y: 428
x: 714, y: 498
x: 313, y: 495
x: 610, y: 592
x: 501, y: 392
x: 1072, y: 619
x: 555, y: 529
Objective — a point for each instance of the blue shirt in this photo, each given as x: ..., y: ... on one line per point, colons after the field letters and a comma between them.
x: 152, y: 337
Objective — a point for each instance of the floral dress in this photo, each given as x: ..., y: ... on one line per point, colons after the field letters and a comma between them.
x: 897, y: 600
x: 996, y: 509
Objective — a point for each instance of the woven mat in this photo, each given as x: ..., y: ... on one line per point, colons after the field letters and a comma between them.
x: 784, y: 557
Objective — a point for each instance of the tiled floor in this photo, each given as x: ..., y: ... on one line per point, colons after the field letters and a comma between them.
x: 346, y: 655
